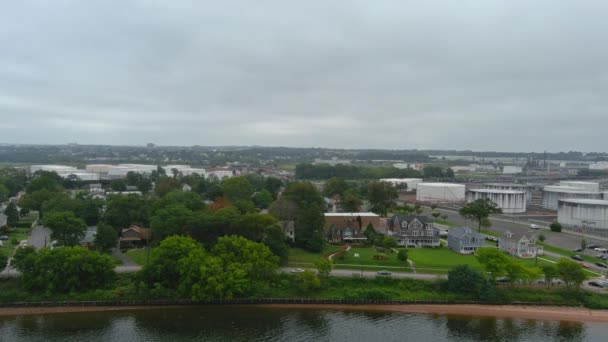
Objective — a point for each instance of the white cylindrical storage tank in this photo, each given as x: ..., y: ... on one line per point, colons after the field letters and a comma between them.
x: 510, y: 201
x: 553, y: 193
x: 412, y: 183
x: 589, y: 186
x: 528, y: 189
x: 440, y: 192
x: 585, y: 215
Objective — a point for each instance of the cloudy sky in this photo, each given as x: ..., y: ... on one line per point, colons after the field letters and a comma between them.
x: 482, y: 75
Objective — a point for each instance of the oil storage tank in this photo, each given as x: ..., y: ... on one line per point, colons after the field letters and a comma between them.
x: 510, y: 201
x: 527, y: 188
x: 553, y: 193
x: 440, y: 192
x: 586, y: 215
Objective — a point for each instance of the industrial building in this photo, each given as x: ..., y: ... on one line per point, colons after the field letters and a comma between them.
x: 527, y: 188
x: 510, y: 201
x: 590, y: 186
x: 510, y: 170
x: 121, y: 170
x: 553, y: 193
x: 585, y: 215
x: 412, y: 183
x: 440, y: 192
x: 185, y: 170
x: 64, y: 171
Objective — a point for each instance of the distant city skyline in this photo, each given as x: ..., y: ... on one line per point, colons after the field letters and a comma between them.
x: 478, y: 75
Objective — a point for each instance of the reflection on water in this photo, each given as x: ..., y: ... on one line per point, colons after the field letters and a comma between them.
x: 275, y: 324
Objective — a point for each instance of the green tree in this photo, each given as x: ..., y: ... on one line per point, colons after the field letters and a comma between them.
x: 165, y: 185
x: 370, y: 234
x: 66, y: 227
x: 34, y: 200
x: 164, y: 261
x: 255, y: 258
x: 4, y: 193
x: 124, y: 211
x: 274, y: 239
x: 307, y: 282
x: 542, y: 238
x: 584, y: 245
x: 309, y: 215
x: 12, y: 215
x: 388, y: 242
x: 402, y: 255
x: 335, y: 186
x: 237, y: 189
x: 273, y: 185
x: 324, y: 267
x: 550, y: 272
x: 382, y: 196
x: 3, y: 262
x: 253, y: 226
x: 189, y: 199
x: 262, y: 199
x: 480, y: 211
x: 171, y: 220
x: 572, y: 273
x: 494, y: 261
x: 449, y: 173
x: 106, y: 237
x: 465, y: 280
x: 45, y: 180
x: 555, y: 227
x: 283, y: 209
x: 351, y: 201
x: 118, y: 185
x: 63, y: 270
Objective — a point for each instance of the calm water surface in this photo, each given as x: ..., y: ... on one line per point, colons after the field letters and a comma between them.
x: 275, y: 324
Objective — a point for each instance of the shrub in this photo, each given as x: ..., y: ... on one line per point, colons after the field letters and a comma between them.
x: 555, y: 227
x: 14, y: 241
x: 307, y: 281
x: 402, y: 255
x: 374, y: 294
x: 380, y: 257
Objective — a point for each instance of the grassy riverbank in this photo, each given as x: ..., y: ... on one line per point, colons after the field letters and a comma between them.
x: 127, y: 287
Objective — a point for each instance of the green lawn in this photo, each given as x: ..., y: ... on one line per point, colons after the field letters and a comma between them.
x: 138, y: 255
x: 366, y: 257
x: 440, y: 259
x: 301, y: 256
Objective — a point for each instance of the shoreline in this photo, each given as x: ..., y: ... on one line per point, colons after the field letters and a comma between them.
x: 548, y: 313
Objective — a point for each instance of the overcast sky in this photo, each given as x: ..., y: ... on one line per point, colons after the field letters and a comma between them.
x: 482, y: 75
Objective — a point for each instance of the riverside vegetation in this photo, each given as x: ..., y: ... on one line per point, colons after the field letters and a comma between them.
x: 228, y: 249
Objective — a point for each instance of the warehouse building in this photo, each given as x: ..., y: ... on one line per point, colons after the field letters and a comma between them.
x: 440, y: 192
x: 412, y: 183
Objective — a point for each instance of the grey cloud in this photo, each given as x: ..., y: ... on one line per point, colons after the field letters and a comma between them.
x: 484, y: 75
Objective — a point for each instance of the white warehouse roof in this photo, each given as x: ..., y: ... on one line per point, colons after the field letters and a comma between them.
x: 498, y: 191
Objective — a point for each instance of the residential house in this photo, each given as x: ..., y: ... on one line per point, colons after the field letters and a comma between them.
x: 349, y: 227
x: 289, y: 230
x: 464, y: 240
x: 414, y: 231
x: 96, y: 187
x: 521, y: 245
x: 88, y: 240
x: 134, y: 236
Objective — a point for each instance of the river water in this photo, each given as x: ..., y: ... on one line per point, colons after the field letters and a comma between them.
x: 285, y: 324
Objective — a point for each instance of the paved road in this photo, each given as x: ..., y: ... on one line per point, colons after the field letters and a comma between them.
x: 126, y: 261
x: 40, y: 237
x: 565, y: 240
x: 374, y: 274
x: 562, y: 240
